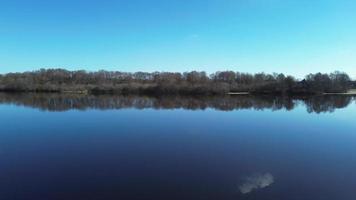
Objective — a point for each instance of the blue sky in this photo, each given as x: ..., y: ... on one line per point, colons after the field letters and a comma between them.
x: 294, y: 37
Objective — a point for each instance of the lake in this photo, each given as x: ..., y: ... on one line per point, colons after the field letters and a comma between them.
x: 64, y: 147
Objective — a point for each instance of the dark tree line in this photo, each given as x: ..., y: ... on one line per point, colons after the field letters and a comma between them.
x: 169, y: 83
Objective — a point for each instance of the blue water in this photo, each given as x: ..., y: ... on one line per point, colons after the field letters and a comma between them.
x: 178, y: 153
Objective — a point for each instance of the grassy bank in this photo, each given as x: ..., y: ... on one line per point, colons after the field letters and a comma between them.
x: 350, y: 92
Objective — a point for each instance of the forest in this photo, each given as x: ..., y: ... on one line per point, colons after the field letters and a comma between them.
x: 172, y: 83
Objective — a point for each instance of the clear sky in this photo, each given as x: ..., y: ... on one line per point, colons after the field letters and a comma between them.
x: 290, y: 36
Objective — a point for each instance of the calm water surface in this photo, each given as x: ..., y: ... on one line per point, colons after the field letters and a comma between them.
x: 67, y: 147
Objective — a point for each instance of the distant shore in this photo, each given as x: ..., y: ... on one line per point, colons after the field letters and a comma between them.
x: 238, y: 93
x: 192, y: 83
x: 350, y: 92
x: 232, y: 94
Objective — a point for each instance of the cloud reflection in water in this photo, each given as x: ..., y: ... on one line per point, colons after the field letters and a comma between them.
x: 256, y: 182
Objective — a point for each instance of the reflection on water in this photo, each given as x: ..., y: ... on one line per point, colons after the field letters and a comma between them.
x: 63, y: 102
x: 134, y: 154
x: 254, y: 182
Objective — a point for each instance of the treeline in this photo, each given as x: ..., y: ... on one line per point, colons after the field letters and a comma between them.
x: 172, y: 83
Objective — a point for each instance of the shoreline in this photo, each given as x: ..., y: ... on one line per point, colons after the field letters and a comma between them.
x: 238, y: 93
x: 350, y: 92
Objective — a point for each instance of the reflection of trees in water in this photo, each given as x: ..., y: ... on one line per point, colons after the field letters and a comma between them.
x: 327, y: 103
x: 63, y: 102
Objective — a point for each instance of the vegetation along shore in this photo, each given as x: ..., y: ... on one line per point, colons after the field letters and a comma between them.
x: 174, y: 83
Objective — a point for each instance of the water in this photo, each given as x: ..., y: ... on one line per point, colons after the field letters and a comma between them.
x: 64, y: 147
